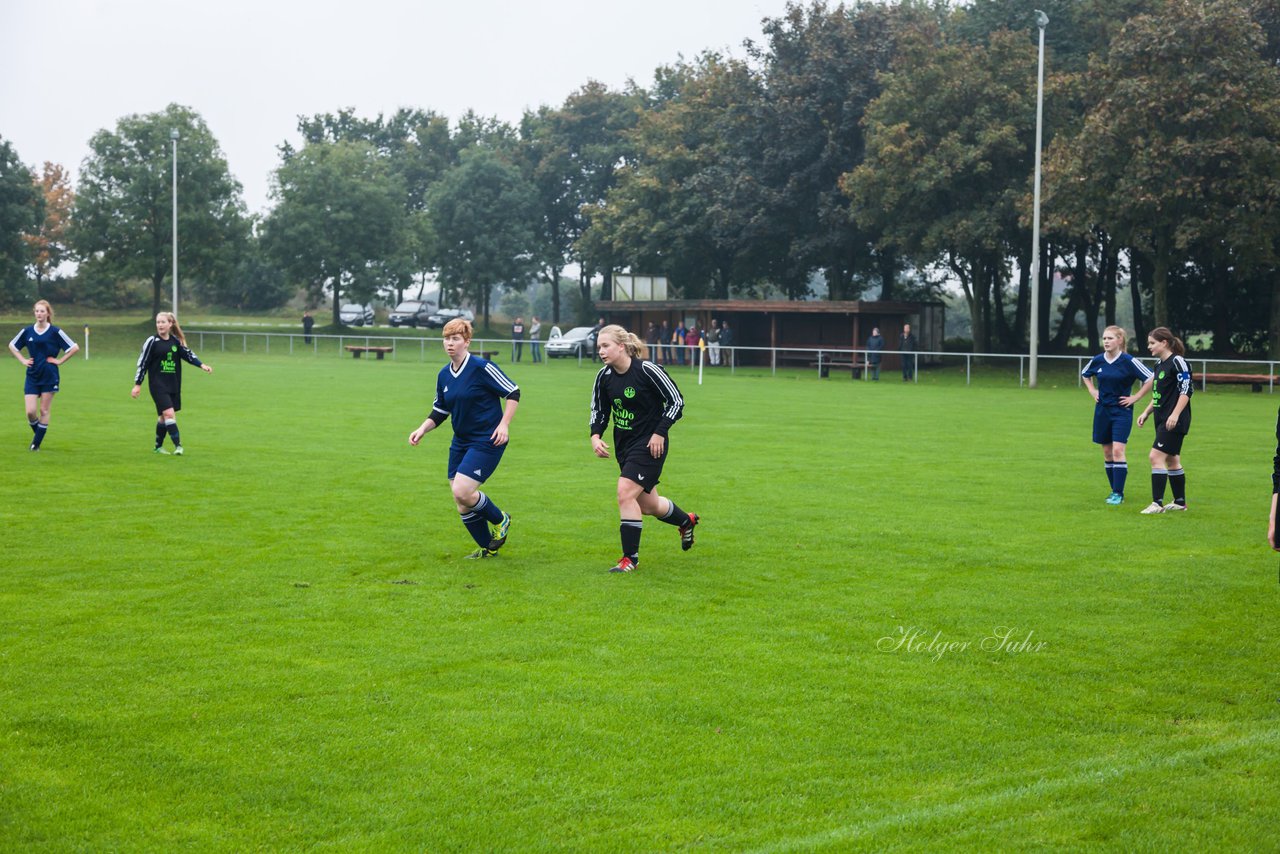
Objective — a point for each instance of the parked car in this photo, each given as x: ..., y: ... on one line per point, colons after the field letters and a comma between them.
x: 353, y: 314
x: 411, y: 312
x: 575, y: 342
x: 438, y: 319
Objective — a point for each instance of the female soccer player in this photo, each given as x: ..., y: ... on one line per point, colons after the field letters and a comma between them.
x: 43, y: 341
x: 470, y: 389
x: 161, y: 361
x: 1171, y: 402
x: 644, y: 403
x: 1275, y: 490
x: 1116, y: 371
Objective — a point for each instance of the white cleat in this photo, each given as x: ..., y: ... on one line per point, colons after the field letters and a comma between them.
x: 1153, y: 507
x: 1174, y: 507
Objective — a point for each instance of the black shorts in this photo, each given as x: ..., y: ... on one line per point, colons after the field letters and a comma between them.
x: 165, y: 400
x: 638, y: 464
x: 1168, y: 441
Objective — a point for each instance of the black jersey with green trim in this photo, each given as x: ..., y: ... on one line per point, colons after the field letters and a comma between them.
x: 641, y: 402
x: 1173, y: 379
x: 161, y: 362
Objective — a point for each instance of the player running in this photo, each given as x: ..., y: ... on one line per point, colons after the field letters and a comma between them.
x: 469, y: 389
x: 643, y: 403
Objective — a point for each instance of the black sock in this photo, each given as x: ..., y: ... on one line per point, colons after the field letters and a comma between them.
x: 159, y: 433
x: 33, y: 425
x: 675, y: 516
x: 477, y: 527
x: 630, y: 529
x: 1178, y: 484
x: 172, y: 427
x: 1111, y: 474
x: 1119, y: 474
x: 488, y: 510
x: 41, y: 429
x: 1158, y: 478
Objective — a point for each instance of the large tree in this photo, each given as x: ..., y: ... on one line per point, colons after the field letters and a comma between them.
x: 48, y: 242
x: 123, y: 217
x: 339, y: 217
x: 482, y: 215
x: 21, y: 212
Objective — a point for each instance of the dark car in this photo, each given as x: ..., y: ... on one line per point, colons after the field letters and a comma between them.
x: 438, y: 319
x: 411, y: 312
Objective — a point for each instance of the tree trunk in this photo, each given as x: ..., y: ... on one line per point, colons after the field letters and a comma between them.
x: 1274, y: 327
x: 1063, y: 336
x: 1088, y: 296
x: 1107, y: 276
x: 1221, y: 275
x: 1137, y: 274
x: 1022, y: 309
x: 970, y: 298
x: 887, y: 262
x: 1160, y: 279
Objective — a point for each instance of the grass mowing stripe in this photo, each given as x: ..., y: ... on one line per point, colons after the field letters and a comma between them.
x: 1093, y: 772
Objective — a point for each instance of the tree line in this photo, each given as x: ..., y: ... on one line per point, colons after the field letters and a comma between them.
x: 861, y: 150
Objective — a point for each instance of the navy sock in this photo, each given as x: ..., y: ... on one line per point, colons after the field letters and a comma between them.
x: 1111, y: 474
x: 159, y: 433
x: 33, y: 425
x: 487, y: 510
x: 41, y: 429
x: 675, y: 516
x: 1178, y: 485
x: 1119, y: 474
x: 172, y: 428
x: 1158, y: 478
x: 630, y: 529
x: 477, y: 527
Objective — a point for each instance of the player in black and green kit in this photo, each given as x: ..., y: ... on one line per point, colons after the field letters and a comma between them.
x: 643, y: 403
x: 1171, y: 403
x: 161, y: 361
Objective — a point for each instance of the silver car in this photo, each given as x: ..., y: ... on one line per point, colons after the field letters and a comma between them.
x: 575, y: 342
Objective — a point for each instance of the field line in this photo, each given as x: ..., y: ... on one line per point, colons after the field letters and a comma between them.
x: 1090, y: 774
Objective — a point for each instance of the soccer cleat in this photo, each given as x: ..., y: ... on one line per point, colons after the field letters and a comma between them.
x: 625, y: 564
x: 1115, y: 498
x: 1153, y: 507
x: 686, y: 532
x: 481, y: 554
x: 177, y: 452
x: 160, y: 451
x: 1174, y: 506
x: 498, y: 533
x: 34, y: 447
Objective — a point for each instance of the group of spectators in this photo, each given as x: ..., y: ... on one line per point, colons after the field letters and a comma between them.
x: 679, y: 345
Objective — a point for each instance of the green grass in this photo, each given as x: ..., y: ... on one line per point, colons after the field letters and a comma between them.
x: 273, y: 643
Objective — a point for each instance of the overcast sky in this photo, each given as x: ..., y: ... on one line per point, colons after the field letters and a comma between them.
x: 69, y: 68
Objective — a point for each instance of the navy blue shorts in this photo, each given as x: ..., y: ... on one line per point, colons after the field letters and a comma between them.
x: 1112, y: 424
x: 33, y: 387
x: 474, y: 461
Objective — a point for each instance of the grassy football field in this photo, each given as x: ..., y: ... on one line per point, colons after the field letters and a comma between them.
x: 909, y: 623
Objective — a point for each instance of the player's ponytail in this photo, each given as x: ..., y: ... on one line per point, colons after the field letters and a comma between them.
x: 631, y: 342
x: 1163, y: 333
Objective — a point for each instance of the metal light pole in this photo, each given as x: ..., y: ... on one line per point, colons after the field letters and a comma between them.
x: 173, y: 136
x: 1042, y: 21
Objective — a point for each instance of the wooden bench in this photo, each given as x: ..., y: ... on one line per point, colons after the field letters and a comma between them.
x: 855, y: 368
x: 356, y: 349
x: 488, y: 355
x: 1255, y: 380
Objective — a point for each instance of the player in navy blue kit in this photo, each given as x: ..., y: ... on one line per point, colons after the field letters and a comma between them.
x: 161, y: 362
x: 643, y: 403
x: 470, y: 390
x: 1113, y: 401
x: 1171, y: 403
x: 42, y: 341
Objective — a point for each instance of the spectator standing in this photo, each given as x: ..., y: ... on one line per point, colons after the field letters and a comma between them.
x: 691, y: 339
x: 664, y: 355
x: 593, y: 339
x: 907, y: 344
x: 874, y: 345
x: 713, y: 342
x: 652, y: 341
x: 535, y: 343
x: 517, y: 339
x: 308, y: 322
x: 677, y: 340
x: 726, y: 341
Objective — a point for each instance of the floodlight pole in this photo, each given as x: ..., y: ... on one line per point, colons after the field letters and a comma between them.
x: 173, y: 136
x: 1042, y: 21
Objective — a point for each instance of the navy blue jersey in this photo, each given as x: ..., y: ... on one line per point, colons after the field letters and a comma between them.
x: 641, y: 402
x: 40, y: 346
x: 1173, y: 379
x: 1116, y: 378
x: 472, y: 396
x: 161, y: 361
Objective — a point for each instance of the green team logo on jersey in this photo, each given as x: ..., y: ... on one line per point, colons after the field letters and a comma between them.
x: 169, y: 364
x: 629, y: 392
x: 622, y: 417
